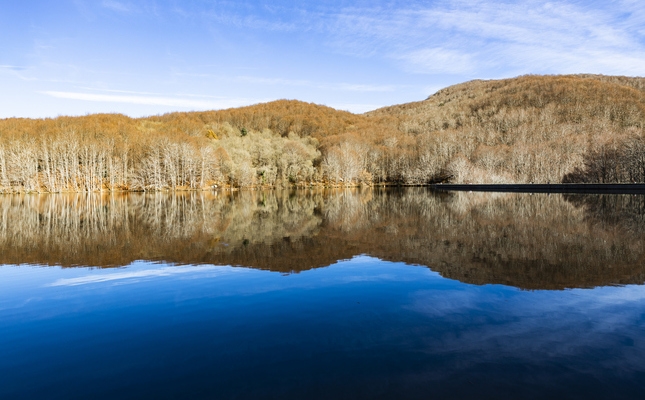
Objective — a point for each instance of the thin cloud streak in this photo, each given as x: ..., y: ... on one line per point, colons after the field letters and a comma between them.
x: 13, y: 67
x: 249, y: 22
x: 187, y: 103
x: 149, y: 100
x: 151, y: 93
x: 343, y: 86
x: 349, y: 87
x: 356, y: 108
x: 116, y: 6
x: 439, y: 60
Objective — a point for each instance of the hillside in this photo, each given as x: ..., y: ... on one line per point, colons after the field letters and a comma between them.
x: 576, y: 128
x: 532, y: 129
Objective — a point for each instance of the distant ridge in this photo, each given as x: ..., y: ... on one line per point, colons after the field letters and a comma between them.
x: 562, y: 128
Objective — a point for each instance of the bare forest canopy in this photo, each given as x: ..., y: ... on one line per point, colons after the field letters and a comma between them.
x: 540, y: 129
x: 531, y: 242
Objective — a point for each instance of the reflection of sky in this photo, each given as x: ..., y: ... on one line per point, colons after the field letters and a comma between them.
x: 137, y: 275
x: 538, y: 327
x: 361, y: 322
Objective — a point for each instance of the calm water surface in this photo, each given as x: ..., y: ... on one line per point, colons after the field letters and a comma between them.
x: 330, y: 294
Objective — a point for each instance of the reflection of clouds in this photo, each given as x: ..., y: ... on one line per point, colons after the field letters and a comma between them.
x: 370, y: 278
x: 619, y: 295
x: 456, y: 329
x: 361, y: 269
x: 97, y: 276
x: 442, y: 302
x: 593, y: 329
x: 103, y: 277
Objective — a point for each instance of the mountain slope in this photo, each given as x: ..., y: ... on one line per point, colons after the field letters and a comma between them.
x: 526, y: 129
x: 572, y: 128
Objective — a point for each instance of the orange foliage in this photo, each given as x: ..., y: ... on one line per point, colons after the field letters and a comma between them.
x: 526, y: 129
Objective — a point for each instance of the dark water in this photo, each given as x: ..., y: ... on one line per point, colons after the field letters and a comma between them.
x: 332, y: 294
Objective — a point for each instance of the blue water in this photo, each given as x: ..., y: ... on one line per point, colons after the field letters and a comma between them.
x: 360, y: 328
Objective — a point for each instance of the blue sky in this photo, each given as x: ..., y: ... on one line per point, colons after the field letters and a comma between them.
x: 73, y: 57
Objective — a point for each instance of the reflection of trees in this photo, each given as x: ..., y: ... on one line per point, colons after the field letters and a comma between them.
x: 537, y: 241
x: 625, y: 212
x: 117, y: 229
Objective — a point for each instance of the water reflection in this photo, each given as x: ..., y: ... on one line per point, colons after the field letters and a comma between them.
x: 527, y: 241
x: 623, y: 212
x: 360, y: 329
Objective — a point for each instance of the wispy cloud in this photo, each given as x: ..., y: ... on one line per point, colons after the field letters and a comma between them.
x: 355, y: 107
x: 467, y: 37
x: 249, y: 21
x: 438, y: 60
x: 342, y: 86
x: 174, y: 95
x: 471, y: 37
x: 189, y: 103
x: 324, y: 52
x: 334, y: 86
x: 23, y: 73
x: 13, y: 67
x: 528, y: 36
x: 117, y: 6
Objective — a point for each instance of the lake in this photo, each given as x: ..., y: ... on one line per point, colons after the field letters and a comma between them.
x: 345, y: 294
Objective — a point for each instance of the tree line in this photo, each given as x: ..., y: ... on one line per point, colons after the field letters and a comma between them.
x: 578, y: 128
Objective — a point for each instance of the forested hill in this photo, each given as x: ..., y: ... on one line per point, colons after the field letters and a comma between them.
x: 576, y: 128
x: 532, y: 129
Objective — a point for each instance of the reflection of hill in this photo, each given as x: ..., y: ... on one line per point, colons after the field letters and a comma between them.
x: 114, y: 230
x: 532, y: 242
x: 624, y: 212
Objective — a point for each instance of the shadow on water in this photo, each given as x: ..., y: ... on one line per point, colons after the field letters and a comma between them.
x: 528, y: 241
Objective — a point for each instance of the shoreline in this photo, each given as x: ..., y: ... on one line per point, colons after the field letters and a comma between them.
x: 583, y: 188
x: 571, y: 188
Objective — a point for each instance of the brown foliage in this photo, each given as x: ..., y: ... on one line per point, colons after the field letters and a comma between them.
x: 526, y: 129
x: 619, y: 160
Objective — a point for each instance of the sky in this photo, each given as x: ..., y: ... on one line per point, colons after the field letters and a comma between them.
x: 148, y: 57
